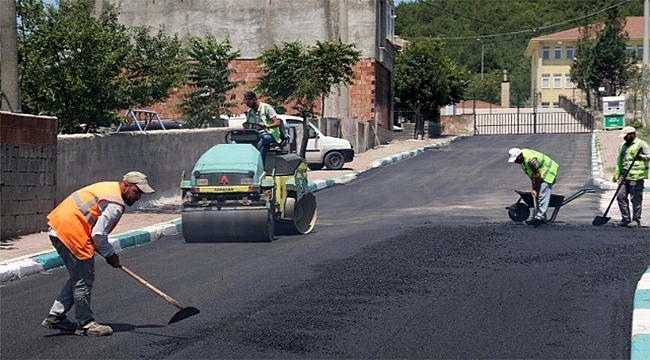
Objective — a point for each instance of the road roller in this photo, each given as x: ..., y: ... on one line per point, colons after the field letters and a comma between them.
x: 233, y: 196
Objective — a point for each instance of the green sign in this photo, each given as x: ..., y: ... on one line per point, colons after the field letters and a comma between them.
x: 614, y: 121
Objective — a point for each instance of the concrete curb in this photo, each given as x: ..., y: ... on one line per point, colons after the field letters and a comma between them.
x: 640, y: 348
x: 47, y: 261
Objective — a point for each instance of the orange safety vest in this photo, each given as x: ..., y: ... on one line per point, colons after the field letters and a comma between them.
x: 74, y: 218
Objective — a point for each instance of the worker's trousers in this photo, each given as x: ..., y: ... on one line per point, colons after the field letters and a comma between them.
x: 543, y: 199
x: 266, y: 139
x: 634, y: 190
x: 77, y: 288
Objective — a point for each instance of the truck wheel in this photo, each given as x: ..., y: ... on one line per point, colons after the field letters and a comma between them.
x: 334, y: 160
x: 315, y: 166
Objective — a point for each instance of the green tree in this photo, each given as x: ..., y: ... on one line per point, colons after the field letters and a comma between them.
x: 155, y: 65
x: 427, y: 79
x: 582, y: 61
x: 82, y: 69
x: 611, y: 66
x: 209, y: 79
x: 603, y: 61
x: 505, y: 27
x: 305, y: 74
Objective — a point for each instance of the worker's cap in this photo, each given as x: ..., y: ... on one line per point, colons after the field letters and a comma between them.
x: 514, y: 152
x: 249, y: 95
x: 140, y: 180
x: 626, y: 130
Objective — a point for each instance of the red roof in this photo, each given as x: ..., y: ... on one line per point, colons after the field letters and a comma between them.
x: 480, y: 104
x: 633, y: 26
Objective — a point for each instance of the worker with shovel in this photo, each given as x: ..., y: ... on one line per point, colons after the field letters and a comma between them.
x: 633, y: 155
x: 542, y: 171
x: 79, y: 227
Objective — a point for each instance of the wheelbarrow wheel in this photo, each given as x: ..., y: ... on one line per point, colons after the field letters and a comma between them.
x: 519, y: 212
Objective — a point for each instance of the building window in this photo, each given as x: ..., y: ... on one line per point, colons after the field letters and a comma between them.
x: 629, y: 50
x: 556, y: 104
x: 390, y: 24
x: 546, y: 81
x: 546, y: 52
x: 569, y: 52
x: 567, y: 81
x: 545, y: 104
x: 557, y: 81
x: 558, y: 53
x: 639, y: 51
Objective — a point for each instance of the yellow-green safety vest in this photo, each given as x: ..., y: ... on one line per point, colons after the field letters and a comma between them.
x: 547, y: 167
x: 640, y: 169
x: 250, y: 117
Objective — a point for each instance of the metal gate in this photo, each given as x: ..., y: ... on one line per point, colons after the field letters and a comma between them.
x: 523, y: 122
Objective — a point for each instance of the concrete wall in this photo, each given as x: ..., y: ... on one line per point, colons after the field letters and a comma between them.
x: 40, y: 169
x: 161, y: 155
x: 28, y: 172
x: 255, y: 25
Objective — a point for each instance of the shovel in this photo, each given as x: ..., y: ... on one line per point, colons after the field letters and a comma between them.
x: 183, y: 312
x: 602, y: 220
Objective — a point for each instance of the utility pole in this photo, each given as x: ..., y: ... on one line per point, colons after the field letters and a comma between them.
x: 483, y: 54
x: 9, y: 57
x: 645, y: 91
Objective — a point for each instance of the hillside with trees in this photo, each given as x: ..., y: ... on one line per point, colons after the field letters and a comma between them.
x: 501, y: 31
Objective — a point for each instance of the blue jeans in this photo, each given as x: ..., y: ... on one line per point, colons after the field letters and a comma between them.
x: 77, y: 288
x: 543, y: 199
x: 266, y: 139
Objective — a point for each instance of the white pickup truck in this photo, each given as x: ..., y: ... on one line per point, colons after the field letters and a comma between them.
x: 322, y: 150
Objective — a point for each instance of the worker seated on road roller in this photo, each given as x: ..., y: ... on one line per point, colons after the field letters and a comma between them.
x: 267, y: 144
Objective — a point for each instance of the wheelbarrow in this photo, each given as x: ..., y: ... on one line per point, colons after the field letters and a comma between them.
x: 520, y: 211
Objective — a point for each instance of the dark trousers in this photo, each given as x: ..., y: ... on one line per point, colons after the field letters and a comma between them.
x: 634, y: 190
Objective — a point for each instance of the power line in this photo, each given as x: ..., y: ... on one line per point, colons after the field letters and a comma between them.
x: 525, y: 31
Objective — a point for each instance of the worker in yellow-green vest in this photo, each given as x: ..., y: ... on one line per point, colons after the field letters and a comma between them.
x: 632, y: 187
x: 265, y: 117
x: 542, y: 171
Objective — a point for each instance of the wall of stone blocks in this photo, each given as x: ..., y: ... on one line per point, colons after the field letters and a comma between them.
x: 28, y: 172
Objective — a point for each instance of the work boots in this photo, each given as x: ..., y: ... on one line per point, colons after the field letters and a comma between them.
x: 94, y: 329
x: 59, y: 323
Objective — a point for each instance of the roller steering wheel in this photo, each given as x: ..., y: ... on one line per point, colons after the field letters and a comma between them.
x: 253, y: 126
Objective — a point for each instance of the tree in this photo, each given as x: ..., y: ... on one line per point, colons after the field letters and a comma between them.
x: 581, y: 62
x: 427, y: 79
x: 209, y: 72
x: 83, y: 69
x: 611, y: 66
x: 505, y: 26
x: 155, y: 65
x: 603, y: 61
x: 303, y: 74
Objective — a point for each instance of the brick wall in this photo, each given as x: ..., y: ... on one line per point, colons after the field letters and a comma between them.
x: 28, y: 172
x: 363, y: 95
x: 362, y: 92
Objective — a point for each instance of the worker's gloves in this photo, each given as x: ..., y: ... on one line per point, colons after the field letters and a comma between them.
x: 114, y: 261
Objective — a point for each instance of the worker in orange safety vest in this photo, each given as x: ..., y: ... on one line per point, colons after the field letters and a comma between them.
x: 79, y: 227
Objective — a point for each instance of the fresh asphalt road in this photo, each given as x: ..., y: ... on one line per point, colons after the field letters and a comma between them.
x: 417, y: 259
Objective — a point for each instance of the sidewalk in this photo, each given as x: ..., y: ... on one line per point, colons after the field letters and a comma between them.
x: 30, y: 254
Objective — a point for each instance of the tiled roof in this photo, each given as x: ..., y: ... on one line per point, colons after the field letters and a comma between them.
x: 480, y: 104
x: 633, y: 26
